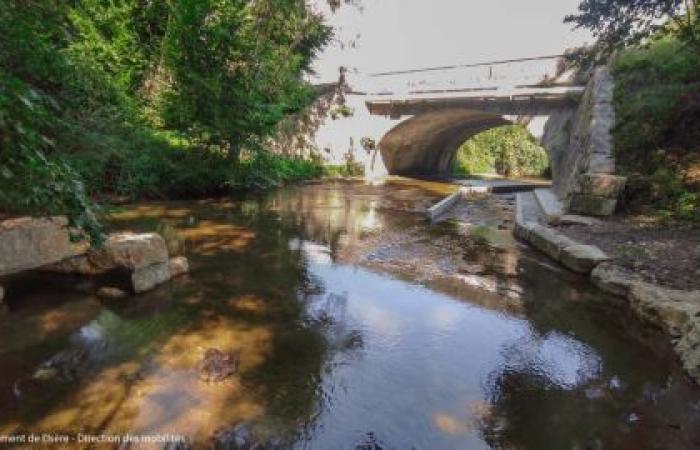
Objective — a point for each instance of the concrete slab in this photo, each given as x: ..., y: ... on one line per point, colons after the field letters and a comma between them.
x: 444, y: 205
x: 582, y: 258
x: 550, y: 204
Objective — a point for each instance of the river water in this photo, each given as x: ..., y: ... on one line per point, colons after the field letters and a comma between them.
x: 355, y: 324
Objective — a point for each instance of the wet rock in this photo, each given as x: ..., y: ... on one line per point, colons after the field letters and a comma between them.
x: 66, y: 365
x: 122, y: 250
x: 111, y: 293
x: 688, y: 348
x: 611, y: 279
x: 178, y: 266
x: 582, y: 258
x: 146, y: 278
x: 549, y: 241
x: 670, y: 309
x: 28, y: 243
x: 216, y: 366
x: 243, y: 437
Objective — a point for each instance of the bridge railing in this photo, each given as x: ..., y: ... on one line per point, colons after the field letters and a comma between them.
x: 488, y: 76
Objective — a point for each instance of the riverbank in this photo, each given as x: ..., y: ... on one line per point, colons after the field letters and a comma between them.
x: 630, y: 271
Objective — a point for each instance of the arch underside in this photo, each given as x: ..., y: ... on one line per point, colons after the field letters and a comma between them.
x: 426, y: 144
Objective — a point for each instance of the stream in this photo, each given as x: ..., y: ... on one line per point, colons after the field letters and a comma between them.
x: 355, y: 324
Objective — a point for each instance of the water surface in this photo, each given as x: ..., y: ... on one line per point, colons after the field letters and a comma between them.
x: 348, y: 336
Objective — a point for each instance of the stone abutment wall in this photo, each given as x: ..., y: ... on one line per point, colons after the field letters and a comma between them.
x: 581, y: 150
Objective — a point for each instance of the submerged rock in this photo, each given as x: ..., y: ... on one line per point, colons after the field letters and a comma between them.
x: 111, y: 293
x: 243, y: 437
x: 216, y: 366
x: 146, y: 278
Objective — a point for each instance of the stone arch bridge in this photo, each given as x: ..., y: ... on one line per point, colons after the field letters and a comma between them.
x: 433, y: 127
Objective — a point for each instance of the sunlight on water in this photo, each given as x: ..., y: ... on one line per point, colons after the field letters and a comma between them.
x: 353, y: 324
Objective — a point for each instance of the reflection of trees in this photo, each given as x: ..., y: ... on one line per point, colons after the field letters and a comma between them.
x: 251, y: 299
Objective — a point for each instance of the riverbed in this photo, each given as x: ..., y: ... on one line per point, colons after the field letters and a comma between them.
x: 354, y: 323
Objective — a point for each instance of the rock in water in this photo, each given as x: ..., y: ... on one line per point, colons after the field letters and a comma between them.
x: 216, y: 366
x: 178, y: 266
x: 111, y: 293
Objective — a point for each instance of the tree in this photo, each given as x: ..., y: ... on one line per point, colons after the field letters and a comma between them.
x: 237, y: 67
x: 624, y: 22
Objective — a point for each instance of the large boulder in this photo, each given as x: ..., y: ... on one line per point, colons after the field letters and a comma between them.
x: 28, y: 243
x: 178, y: 266
x: 144, y: 256
x: 123, y: 250
x: 146, y: 278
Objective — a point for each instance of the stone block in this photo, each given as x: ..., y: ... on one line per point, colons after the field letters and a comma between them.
x: 130, y: 251
x: 178, y: 266
x: 146, y: 278
x: 28, y: 243
x: 582, y: 258
x: 123, y: 250
x: 601, y: 185
x: 669, y: 309
x: 549, y: 241
x: 601, y: 163
x: 111, y: 293
x: 522, y: 229
x: 549, y: 204
x: 612, y: 280
x: 444, y: 205
x: 592, y: 205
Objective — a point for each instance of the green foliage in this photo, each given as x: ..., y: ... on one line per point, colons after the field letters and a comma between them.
x: 264, y: 170
x: 508, y: 150
x: 619, y: 23
x: 347, y: 170
x: 236, y: 66
x: 151, y: 99
x: 656, y: 140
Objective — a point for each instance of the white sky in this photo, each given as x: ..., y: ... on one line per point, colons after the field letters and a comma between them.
x: 406, y: 34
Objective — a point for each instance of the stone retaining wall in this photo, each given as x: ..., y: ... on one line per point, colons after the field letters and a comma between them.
x: 584, y: 170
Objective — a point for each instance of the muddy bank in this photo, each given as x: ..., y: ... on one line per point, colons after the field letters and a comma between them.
x: 661, y: 255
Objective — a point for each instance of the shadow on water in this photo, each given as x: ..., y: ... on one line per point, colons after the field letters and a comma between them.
x: 355, y: 325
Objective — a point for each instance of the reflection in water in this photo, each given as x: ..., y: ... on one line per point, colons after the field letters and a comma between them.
x: 354, y: 324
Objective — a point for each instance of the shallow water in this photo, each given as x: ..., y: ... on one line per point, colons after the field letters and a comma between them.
x: 338, y: 347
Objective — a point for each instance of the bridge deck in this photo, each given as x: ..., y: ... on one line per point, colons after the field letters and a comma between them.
x: 515, y: 99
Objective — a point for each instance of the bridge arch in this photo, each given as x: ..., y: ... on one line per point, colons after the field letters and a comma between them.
x: 426, y: 144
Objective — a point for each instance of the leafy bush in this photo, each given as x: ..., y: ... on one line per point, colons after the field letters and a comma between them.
x: 508, y: 150
x: 657, y: 139
x: 147, y: 99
